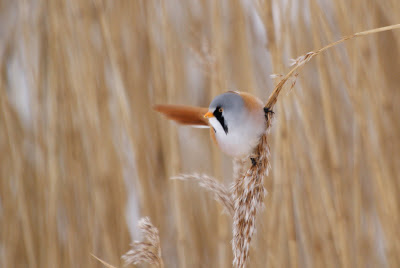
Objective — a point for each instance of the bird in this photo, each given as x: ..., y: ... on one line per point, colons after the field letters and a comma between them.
x: 237, y: 120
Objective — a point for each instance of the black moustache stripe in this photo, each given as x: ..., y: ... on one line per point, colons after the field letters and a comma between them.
x: 220, y: 119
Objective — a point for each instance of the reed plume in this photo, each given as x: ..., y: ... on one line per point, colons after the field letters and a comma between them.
x: 221, y: 193
x: 248, y: 193
x: 148, y: 250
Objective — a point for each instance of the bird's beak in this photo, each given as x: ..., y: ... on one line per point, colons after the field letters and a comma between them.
x: 208, y: 115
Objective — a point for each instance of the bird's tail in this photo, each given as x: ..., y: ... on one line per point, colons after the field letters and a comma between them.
x: 185, y: 115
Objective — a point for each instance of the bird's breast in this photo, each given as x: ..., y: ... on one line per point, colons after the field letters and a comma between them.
x: 239, y: 141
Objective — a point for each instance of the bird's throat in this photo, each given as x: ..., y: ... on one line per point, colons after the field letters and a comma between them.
x: 221, y: 121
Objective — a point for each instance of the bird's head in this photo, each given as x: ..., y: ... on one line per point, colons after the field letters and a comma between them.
x: 225, y: 111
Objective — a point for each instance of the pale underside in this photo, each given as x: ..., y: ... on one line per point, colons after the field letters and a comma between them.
x: 239, y: 141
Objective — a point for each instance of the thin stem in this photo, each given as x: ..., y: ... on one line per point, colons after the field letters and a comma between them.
x: 307, y: 57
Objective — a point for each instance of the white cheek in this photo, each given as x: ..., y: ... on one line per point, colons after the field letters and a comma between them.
x: 217, y: 126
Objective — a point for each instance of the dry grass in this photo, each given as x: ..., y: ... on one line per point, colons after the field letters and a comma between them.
x: 148, y: 250
x: 81, y: 147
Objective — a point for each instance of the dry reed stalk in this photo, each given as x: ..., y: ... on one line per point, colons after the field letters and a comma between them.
x: 300, y: 61
x: 148, y: 250
x: 103, y: 262
x: 239, y: 167
x: 221, y: 194
x: 248, y: 194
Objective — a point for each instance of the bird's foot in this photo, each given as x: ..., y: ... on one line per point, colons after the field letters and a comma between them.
x: 267, y: 111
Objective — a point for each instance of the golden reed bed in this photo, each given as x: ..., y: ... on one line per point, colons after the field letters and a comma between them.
x: 83, y: 156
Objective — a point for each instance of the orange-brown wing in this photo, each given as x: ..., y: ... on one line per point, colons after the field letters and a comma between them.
x: 186, y: 115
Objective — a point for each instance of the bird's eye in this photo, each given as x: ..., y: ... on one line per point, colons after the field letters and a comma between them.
x: 220, y: 110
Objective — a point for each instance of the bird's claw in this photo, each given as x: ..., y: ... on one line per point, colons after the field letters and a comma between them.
x: 267, y: 111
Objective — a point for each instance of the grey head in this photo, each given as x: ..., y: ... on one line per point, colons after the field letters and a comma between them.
x: 227, y: 108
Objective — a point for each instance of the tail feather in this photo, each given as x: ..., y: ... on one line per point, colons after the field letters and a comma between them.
x: 185, y: 115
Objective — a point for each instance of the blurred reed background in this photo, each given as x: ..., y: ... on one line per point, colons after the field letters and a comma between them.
x: 83, y: 156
